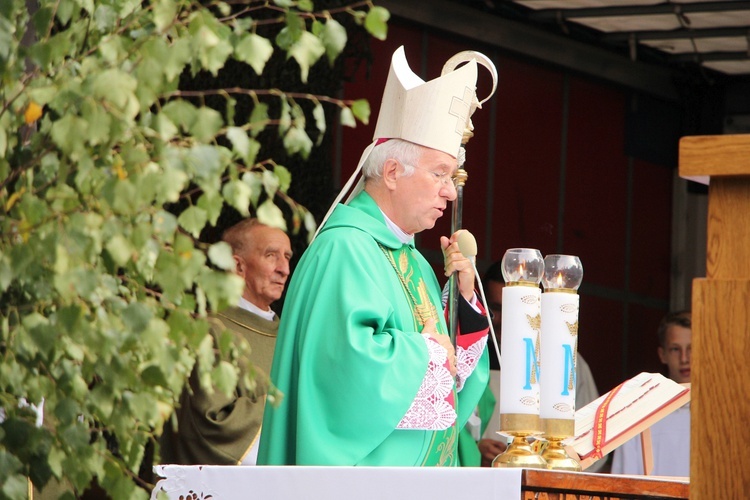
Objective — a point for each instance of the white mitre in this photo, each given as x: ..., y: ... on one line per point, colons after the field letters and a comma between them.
x: 433, y: 114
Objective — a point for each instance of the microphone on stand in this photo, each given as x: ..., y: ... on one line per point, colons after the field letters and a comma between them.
x: 467, y: 244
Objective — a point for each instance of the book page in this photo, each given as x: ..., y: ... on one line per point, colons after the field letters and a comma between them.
x: 636, y: 404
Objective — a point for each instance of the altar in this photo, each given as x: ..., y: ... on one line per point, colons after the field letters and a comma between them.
x: 405, y: 483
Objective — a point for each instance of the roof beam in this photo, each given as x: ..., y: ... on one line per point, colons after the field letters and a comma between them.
x: 518, y: 38
x: 700, y: 57
x: 637, y: 10
x: 624, y: 36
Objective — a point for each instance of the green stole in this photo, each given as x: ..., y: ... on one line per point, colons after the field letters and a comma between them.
x: 442, y: 450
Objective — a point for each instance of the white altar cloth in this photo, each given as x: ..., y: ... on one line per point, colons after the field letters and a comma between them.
x: 219, y: 482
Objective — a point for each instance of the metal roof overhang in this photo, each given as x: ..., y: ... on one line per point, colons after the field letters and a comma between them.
x: 639, y: 44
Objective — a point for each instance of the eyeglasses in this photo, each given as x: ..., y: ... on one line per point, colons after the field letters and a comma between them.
x: 443, y: 178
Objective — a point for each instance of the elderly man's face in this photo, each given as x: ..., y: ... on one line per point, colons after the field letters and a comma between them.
x: 264, y: 265
x: 424, y: 195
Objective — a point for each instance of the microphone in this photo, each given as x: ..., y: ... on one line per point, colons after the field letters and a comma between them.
x: 467, y: 244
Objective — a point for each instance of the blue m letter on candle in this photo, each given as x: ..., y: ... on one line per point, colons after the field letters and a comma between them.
x: 531, y: 362
x: 569, y: 367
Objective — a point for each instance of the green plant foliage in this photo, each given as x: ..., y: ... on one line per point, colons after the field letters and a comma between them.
x: 109, y: 173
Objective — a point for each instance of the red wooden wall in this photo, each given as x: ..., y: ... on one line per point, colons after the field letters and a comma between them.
x: 548, y: 170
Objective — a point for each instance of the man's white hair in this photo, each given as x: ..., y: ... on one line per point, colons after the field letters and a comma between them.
x: 405, y: 152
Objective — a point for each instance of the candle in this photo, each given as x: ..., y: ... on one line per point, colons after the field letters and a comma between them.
x: 559, y: 312
x: 521, y: 341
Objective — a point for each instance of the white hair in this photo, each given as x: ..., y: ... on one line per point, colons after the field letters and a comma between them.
x: 405, y: 152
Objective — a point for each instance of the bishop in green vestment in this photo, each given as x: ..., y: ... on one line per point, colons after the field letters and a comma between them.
x: 361, y: 381
x: 368, y: 373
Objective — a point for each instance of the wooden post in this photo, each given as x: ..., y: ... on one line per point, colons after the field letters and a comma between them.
x: 647, y: 452
x: 721, y: 321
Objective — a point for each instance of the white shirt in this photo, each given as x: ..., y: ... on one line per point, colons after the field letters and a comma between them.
x: 251, y: 457
x: 670, y: 442
x: 249, y: 306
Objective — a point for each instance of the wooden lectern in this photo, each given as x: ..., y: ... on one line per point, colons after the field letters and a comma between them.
x: 720, y: 405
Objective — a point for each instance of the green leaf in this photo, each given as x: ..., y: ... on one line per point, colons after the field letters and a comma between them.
x: 296, y: 140
x: 290, y: 34
x: 15, y: 486
x: 206, y: 162
x: 165, y: 225
x: 120, y: 249
x: 310, y: 225
x: 361, y: 110
x: 181, y: 113
x: 210, y: 48
x: 240, y: 141
x: 237, y: 194
x: 320, y: 120
x: 376, y: 22
x: 105, y: 17
x: 347, y: 118
x: 254, y: 50
x: 334, y: 39
x: 69, y: 133
x: 258, y: 118
x: 207, y: 124
x: 254, y: 180
x: 271, y: 215
x: 164, y: 127
x: 271, y: 182
x: 164, y: 13
x: 6, y: 272
x: 153, y: 375
x: 306, y: 51
x: 225, y: 377
x: 284, y: 177
x: 222, y: 256
x: 40, y: 331
x: 179, y: 55
x: 211, y: 201
x: 117, y: 87
x: 193, y: 220
x: 222, y: 289
x: 136, y: 317
x: 99, y: 123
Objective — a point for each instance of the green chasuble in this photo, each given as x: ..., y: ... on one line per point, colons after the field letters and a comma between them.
x: 349, y: 357
x: 215, y: 429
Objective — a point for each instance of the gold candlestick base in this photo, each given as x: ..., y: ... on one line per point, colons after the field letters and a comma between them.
x: 520, y: 454
x: 556, y: 456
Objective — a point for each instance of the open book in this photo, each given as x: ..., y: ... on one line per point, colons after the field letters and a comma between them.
x: 622, y: 413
